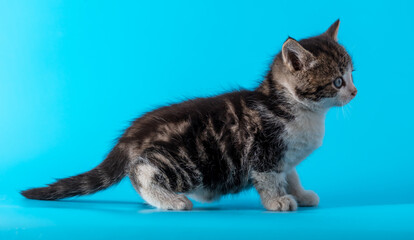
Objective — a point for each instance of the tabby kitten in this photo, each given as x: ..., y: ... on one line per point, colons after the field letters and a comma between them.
x: 208, y: 147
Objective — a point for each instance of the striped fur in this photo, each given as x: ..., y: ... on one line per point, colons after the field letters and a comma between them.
x: 208, y: 147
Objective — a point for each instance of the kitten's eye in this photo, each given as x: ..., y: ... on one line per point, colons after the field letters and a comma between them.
x: 338, y: 82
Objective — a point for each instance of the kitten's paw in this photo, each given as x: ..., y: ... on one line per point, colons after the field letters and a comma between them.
x: 283, y: 203
x: 308, y: 198
x: 182, y: 203
x: 178, y: 204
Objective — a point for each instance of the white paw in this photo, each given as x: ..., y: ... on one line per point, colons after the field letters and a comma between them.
x: 308, y: 198
x: 178, y: 204
x: 283, y: 203
x: 184, y: 204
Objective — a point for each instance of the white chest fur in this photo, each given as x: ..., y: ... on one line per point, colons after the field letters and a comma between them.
x: 303, y: 135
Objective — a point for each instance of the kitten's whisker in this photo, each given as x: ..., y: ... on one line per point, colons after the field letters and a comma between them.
x: 343, y: 112
x: 347, y: 117
x: 347, y: 110
x: 337, y: 114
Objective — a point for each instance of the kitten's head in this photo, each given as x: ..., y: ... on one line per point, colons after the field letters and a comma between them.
x: 318, y: 70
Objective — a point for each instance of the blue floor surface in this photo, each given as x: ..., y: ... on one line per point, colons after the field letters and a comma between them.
x: 240, y: 217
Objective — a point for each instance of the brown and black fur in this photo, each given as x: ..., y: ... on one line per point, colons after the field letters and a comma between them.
x: 214, y: 145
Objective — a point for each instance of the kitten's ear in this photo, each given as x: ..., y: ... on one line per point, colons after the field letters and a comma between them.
x: 295, y: 57
x: 332, y: 31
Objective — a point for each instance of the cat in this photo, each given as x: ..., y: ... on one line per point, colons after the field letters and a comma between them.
x: 208, y: 147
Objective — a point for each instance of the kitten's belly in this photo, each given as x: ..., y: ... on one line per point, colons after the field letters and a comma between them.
x: 207, y: 195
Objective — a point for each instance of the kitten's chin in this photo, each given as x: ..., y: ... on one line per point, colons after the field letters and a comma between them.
x: 334, y: 102
x: 344, y: 102
x: 327, y: 103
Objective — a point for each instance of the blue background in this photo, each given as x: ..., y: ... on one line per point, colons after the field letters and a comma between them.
x: 74, y: 73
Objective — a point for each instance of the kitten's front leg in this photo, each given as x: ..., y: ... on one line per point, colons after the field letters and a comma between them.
x: 305, y: 198
x: 272, y: 189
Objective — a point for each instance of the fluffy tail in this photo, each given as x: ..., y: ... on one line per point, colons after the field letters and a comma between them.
x: 109, y: 172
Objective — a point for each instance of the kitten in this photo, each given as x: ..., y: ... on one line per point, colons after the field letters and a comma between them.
x: 208, y: 147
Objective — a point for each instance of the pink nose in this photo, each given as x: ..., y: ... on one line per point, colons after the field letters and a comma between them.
x: 354, y: 92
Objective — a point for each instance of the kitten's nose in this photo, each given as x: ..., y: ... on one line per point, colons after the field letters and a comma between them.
x: 354, y: 92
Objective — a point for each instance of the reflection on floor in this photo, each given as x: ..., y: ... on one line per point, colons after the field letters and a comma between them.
x: 242, y: 218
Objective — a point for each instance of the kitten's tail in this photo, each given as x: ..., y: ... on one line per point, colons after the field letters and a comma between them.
x: 109, y: 172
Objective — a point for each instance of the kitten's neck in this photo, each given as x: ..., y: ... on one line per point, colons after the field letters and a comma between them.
x: 273, y: 87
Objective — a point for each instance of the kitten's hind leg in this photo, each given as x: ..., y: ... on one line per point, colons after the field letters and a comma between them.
x: 150, y: 183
